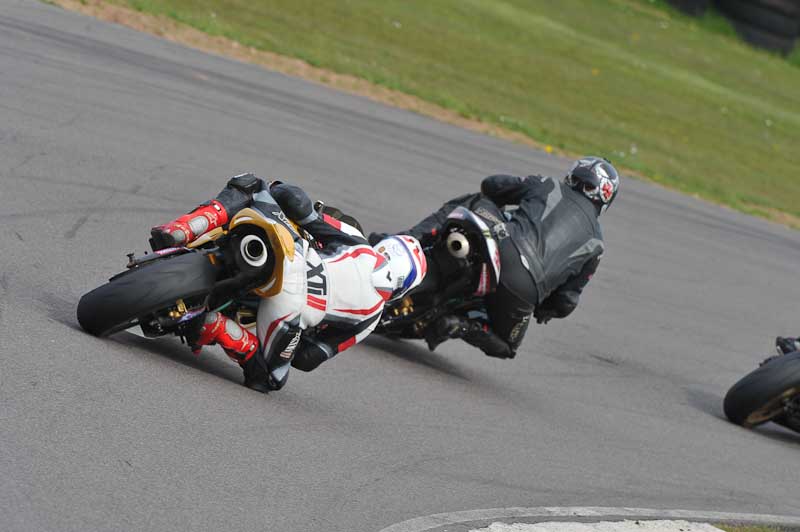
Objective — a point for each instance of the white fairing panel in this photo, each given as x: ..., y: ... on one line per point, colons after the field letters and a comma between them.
x: 462, y: 213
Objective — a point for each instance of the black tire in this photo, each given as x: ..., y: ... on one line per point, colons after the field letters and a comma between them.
x: 691, y: 7
x: 763, y: 15
x: 764, y: 39
x: 118, y: 305
x: 756, y: 398
x: 789, y: 7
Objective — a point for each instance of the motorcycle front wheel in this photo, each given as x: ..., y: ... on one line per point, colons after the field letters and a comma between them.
x: 763, y: 394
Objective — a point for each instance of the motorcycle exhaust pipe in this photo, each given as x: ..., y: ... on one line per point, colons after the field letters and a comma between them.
x: 253, y: 251
x: 458, y: 245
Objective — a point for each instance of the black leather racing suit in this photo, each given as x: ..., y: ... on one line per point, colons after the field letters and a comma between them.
x: 549, y: 250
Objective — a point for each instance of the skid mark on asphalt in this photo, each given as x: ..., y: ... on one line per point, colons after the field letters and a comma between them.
x: 69, y: 234
x: 537, y: 514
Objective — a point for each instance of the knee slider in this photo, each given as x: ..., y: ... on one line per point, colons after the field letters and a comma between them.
x: 309, y: 355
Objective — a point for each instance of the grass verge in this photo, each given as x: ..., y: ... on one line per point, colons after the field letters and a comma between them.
x: 658, y: 93
x: 750, y: 528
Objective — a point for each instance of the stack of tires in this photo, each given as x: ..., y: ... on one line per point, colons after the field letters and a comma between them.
x: 770, y: 24
x: 691, y: 7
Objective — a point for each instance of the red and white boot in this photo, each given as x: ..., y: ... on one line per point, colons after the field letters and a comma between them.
x: 189, y: 227
x: 237, y: 342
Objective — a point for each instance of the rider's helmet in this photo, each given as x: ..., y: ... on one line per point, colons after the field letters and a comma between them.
x: 596, y: 178
x: 405, y: 265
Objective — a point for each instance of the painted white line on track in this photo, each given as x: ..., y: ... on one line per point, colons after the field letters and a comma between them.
x: 603, y: 526
x: 421, y: 524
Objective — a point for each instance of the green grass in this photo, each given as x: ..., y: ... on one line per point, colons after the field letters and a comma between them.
x: 731, y: 528
x: 680, y: 100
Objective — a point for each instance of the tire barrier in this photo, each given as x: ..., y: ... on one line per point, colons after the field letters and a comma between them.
x: 691, y: 7
x: 770, y: 24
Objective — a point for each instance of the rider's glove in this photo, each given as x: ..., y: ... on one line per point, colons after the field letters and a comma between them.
x: 543, y: 315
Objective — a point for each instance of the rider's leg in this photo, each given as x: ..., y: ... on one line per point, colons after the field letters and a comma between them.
x: 237, y: 342
x: 236, y: 195
x: 279, y: 328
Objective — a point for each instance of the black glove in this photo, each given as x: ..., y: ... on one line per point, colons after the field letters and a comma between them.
x: 543, y: 315
x: 294, y: 202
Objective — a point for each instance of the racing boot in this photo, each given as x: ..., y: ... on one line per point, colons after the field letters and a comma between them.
x: 445, y: 328
x: 189, y: 227
x: 238, y: 343
x: 256, y: 377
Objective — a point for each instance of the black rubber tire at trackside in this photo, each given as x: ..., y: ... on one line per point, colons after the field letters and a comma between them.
x: 763, y: 15
x: 116, y: 305
x: 760, y: 387
x: 764, y: 39
x: 691, y: 7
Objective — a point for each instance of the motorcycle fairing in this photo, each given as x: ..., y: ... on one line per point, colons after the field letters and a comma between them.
x: 491, y: 251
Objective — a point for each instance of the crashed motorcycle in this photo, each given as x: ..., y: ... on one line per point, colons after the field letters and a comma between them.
x: 463, y: 267
x: 770, y: 393
x: 227, y: 270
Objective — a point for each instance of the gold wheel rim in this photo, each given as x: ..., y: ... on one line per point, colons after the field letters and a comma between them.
x: 771, y: 409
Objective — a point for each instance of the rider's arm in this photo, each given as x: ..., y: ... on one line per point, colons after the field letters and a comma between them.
x: 315, y: 349
x: 427, y: 229
x: 564, y: 299
x: 508, y: 189
x: 296, y: 204
x: 238, y: 193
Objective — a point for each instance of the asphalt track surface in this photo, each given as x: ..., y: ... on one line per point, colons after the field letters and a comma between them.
x: 105, y: 132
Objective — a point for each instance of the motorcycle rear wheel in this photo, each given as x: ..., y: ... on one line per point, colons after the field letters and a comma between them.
x: 126, y: 298
x: 761, y: 395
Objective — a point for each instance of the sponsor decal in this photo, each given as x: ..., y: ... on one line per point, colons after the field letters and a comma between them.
x: 488, y: 215
x: 518, y: 329
x: 500, y: 231
x: 282, y: 217
x: 483, y: 282
x: 287, y: 352
x: 317, y: 282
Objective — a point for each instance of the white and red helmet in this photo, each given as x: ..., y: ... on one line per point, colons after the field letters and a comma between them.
x: 406, y: 263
